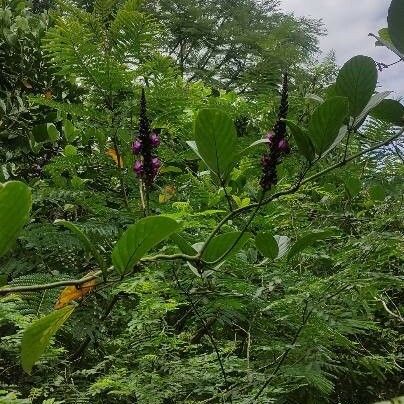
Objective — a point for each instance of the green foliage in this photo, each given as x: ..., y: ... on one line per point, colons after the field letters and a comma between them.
x: 38, y: 335
x: 139, y: 238
x: 215, y: 138
x: 357, y: 81
x: 15, y: 205
x: 325, y: 123
x: 223, y: 292
x: 395, y: 19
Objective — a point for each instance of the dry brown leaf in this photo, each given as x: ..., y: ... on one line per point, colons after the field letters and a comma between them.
x: 112, y: 153
x: 75, y: 293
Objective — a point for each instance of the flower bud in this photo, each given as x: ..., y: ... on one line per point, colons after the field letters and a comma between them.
x: 283, y: 146
x: 138, y: 167
x: 154, y: 140
x: 137, y: 146
x: 156, y: 164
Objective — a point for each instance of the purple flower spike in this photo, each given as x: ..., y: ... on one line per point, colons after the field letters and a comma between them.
x: 138, y: 167
x: 137, y: 146
x: 154, y: 139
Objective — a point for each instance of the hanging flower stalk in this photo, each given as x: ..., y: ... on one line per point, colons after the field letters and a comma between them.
x: 147, y: 166
x: 277, y: 143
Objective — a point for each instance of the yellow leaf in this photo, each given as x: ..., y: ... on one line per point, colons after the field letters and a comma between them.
x: 74, y: 293
x: 167, y: 194
x: 112, y: 153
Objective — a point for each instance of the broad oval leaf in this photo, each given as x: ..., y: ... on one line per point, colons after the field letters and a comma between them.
x: 139, y: 238
x: 15, y: 205
x: 357, y: 81
x: 390, y: 111
x: 302, y: 140
x: 395, y: 21
x: 37, y: 336
x: 267, y: 245
x: 326, y: 122
x: 308, y: 240
x: 215, y: 138
x: 227, y: 243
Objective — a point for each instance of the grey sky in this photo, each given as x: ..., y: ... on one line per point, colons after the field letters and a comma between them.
x: 348, y: 23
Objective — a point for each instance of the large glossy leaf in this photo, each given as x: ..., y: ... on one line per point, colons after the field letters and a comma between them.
x: 357, y: 81
x: 215, y: 138
x: 395, y: 21
x: 308, y: 240
x: 38, y: 335
x: 267, y: 245
x: 221, y: 245
x: 389, y: 111
x: 139, y: 238
x: 15, y: 205
x: 302, y: 140
x: 326, y: 121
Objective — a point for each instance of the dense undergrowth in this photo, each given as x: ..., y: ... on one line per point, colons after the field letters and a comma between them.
x: 247, y: 249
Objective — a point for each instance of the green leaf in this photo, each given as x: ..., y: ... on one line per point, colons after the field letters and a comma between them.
x: 390, y: 111
x: 87, y: 243
x: 69, y: 131
x: 302, y: 140
x: 15, y: 205
x: 139, y: 238
x: 220, y: 245
x: 70, y: 150
x: 376, y: 100
x: 352, y: 185
x: 53, y: 133
x: 395, y: 21
x: 37, y: 336
x: 40, y: 133
x: 215, y: 138
x: 357, y: 81
x: 183, y: 245
x: 267, y: 245
x: 326, y: 121
x: 377, y: 192
x: 309, y: 240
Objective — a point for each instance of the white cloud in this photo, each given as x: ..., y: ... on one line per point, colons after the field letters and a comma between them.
x: 348, y: 23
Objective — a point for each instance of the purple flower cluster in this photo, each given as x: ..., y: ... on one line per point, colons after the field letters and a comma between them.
x: 148, y: 164
x: 277, y: 143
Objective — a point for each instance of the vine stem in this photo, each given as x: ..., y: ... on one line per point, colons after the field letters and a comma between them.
x: 234, y: 213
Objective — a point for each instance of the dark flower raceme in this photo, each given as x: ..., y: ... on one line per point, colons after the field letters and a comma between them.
x: 277, y: 143
x: 148, y: 164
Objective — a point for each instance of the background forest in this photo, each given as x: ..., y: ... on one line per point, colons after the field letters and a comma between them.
x: 196, y: 208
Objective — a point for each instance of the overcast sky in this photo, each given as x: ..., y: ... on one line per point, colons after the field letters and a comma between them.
x: 348, y: 23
